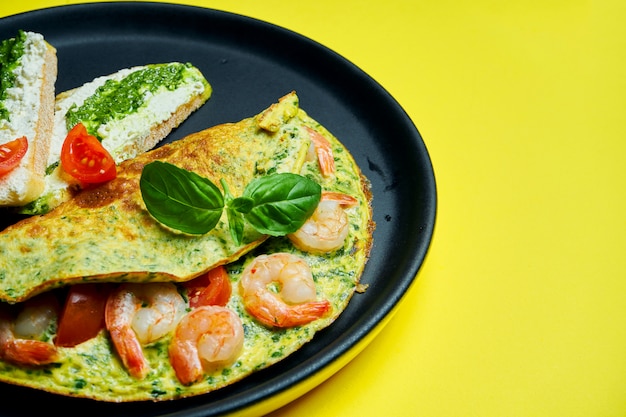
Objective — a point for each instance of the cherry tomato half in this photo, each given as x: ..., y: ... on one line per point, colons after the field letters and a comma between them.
x: 212, y: 288
x: 84, y: 157
x: 11, y: 153
x: 82, y: 317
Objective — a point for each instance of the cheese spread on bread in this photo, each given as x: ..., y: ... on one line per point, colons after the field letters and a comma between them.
x: 129, y: 111
x: 29, y: 72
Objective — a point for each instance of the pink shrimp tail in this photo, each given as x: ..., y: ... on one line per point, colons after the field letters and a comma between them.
x: 185, y: 361
x: 130, y: 351
x: 305, y: 313
x: 294, y: 315
x: 23, y: 351
x: 323, y: 151
x: 29, y: 352
x: 341, y: 198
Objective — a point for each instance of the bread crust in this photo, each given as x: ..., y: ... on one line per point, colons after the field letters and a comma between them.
x: 25, y: 184
x: 45, y: 119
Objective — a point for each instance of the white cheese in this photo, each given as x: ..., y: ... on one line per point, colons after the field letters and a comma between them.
x: 135, y: 128
x: 22, y: 99
x: 23, y: 104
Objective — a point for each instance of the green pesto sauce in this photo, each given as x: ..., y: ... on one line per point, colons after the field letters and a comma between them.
x: 11, y: 51
x: 116, y: 99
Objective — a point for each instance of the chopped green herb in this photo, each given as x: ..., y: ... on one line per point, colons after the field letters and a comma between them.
x: 11, y: 50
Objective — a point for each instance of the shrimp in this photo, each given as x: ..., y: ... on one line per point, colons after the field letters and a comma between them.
x: 323, y: 152
x: 328, y: 226
x: 139, y: 314
x: 207, y: 338
x: 19, y: 335
x: 294, y: 304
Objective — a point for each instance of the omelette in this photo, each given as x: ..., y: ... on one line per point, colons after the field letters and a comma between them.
x: 106, y: 235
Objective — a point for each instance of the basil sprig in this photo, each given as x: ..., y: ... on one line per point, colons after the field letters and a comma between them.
x: 276, y: 204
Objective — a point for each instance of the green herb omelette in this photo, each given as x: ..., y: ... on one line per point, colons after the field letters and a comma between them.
x: 106, y: 235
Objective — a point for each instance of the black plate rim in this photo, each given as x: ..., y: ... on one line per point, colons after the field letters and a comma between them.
x: 329, y: 354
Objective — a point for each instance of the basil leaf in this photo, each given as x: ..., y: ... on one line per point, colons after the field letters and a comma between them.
x: 235, y: 224
x: 282, y: 202
x: 236, y: 221
x: 180, y: 199
x: 241, y: 204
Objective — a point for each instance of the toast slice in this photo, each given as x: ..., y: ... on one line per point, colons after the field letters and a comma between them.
x: 28, y: 67
x: 129, y: 111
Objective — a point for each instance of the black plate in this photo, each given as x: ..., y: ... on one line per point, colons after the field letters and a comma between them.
x: 250, y: 64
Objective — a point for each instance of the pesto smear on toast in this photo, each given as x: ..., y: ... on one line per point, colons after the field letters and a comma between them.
x: 118, y: 98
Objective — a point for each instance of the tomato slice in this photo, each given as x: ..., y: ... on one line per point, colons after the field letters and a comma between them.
x: 212, y: 288
x: 84, y: 157
x: 11, y: 153
x: 82, y: 317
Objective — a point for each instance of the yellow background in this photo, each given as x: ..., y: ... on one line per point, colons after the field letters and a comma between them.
x: 519, y: 309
